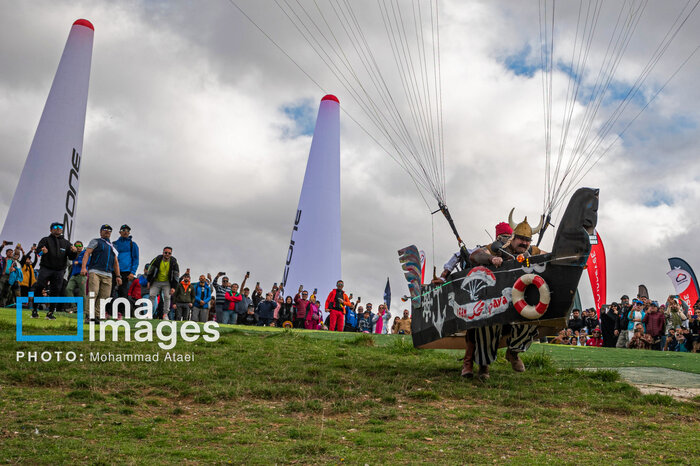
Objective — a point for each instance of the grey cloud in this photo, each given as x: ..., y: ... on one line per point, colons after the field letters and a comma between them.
x: 186, y: 138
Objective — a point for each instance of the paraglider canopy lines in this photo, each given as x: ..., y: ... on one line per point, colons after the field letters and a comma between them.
x: 592, y: 139
x: 408, y: 123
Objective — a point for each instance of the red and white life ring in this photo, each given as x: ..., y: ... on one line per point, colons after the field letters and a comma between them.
x: 524, y: 309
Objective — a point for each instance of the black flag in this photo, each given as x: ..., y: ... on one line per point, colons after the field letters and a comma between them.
x: 387, y: 295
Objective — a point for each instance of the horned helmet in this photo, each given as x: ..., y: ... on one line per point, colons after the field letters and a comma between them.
x: 523, y: 228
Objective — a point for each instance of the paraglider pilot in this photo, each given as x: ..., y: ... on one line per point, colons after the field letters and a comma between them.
x: 482, y: 343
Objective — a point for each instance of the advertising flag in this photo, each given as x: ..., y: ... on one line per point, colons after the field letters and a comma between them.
x: 596, y: 272
x: 313, y: 256
x: 47, y: 190
x: 684, y: 281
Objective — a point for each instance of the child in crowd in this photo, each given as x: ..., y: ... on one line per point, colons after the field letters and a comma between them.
x: 365, y: 323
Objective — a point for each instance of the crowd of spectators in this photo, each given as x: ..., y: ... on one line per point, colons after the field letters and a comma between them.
x: 639, y: 324
x: 110, y: 269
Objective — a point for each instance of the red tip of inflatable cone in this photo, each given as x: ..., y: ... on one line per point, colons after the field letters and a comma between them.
x: 84, y: 22
x: 330, y: 97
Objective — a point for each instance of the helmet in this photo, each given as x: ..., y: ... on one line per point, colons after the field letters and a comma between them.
x: 523, y: 228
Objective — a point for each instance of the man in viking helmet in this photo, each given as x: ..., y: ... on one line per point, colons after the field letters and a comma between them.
x: 482, y: 343
x: 519, y: 243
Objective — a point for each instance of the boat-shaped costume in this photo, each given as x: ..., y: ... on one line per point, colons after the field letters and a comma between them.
x: 538, y: 290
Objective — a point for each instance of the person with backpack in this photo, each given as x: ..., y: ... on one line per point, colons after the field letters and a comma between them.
x: 335, y: 304
x: 101, y: 261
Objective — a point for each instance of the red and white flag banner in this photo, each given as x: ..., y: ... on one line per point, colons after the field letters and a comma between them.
x: 597, y: 272
x: 684, y: 281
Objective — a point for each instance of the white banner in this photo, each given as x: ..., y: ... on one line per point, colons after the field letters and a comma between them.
x: 48, y: 187
x: 313, y: 257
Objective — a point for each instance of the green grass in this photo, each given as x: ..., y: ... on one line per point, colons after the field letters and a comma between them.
x: 589, y: 357
x: 274, y: 396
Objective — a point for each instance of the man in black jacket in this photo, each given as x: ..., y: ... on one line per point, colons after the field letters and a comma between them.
x: 609, y: 323
x: 575, y: 322
x: 163, y: 274
x: 590, y: 321
x: 55, y: 252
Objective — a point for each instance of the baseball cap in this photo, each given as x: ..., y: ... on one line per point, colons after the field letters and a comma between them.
x: 105, y: 227
x: 55, y: 225
x: 125, y: 227
x: 624, y: 296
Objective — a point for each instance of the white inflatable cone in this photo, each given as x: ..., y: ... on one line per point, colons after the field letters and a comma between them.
x: 48, y: 187
x: 313, y: 257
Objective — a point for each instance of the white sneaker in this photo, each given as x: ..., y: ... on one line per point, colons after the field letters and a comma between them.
x: 165, y: 317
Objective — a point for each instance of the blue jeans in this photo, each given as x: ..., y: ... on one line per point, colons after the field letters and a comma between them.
x: 264, y: 321
x: 227, y: 317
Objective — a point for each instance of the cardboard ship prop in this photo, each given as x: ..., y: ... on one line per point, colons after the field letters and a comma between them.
x: 540, y: 290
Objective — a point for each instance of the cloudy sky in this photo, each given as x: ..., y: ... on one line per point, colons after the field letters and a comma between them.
x: 198, y: 130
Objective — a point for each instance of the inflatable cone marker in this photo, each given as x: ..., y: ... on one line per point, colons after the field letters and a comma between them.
x: 313, y: 257
x: 48, y: 187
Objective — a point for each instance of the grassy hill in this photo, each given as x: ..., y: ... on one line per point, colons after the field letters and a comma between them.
x: 269, y: 396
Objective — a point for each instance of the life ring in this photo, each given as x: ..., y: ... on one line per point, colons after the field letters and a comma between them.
x: 527, y: 310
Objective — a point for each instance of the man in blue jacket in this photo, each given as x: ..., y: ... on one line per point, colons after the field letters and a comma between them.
x: 101, y: 260
x: 128, y: 256
x: 351, y: 316
x: 202, y: 297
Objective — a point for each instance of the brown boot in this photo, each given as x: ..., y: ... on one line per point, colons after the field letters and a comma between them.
x: 468, y: 366
x: 484, y: 372
x: 515, y: 362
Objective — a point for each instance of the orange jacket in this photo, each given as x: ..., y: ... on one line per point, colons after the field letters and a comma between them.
x: 331, y: 300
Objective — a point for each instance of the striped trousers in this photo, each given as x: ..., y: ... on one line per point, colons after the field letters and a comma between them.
x: 486, y: 341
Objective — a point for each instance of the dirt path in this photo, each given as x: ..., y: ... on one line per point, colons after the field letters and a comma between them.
x: 678, y: 384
